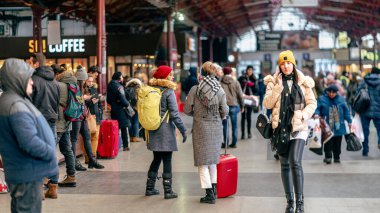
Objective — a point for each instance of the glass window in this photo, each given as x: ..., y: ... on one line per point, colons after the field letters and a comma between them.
x: 111, y: 67
x: 93, y: 60
x: 123, y: 59
x: 247, y: 42
x: 80, y: 61
x: 66, y: 61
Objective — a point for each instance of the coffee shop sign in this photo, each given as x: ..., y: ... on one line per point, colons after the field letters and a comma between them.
x: 75, y: 45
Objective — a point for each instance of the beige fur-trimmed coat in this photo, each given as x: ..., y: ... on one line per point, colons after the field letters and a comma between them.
x: 272, y: 100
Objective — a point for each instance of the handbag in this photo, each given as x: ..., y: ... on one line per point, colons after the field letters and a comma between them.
x: 264, y: 126
x: 91, y: 121
x: 129, y: 110
x: 353, y: 142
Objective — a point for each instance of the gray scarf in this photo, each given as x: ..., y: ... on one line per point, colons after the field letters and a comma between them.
x: 206, y: 92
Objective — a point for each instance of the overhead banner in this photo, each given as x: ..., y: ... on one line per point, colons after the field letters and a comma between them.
x: 287, y: 40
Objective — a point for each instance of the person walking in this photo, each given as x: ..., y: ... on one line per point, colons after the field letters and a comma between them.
x: 162, y: 142
x: 290, y: 96
x: 234, y: 96
x: 372, y: 82
x: 27, y: 148
x: 116, y: 98
x: 249, y: 86
x: 333, y: 108
x: 131, y: 87
x: 208, y: 105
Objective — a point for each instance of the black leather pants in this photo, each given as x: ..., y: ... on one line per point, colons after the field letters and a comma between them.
x: 292, y: 161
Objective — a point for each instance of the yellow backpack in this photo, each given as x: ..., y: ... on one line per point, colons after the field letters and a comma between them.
x: 149, y: 107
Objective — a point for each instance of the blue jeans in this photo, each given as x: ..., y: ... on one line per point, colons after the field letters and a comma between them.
x: 233, y: 113
x: 26, y: 197
x: 134, y: 128
x: 365, y: 124
x: 66, y: 150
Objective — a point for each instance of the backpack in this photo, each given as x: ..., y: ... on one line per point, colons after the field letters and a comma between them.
x: 149, y: 107
x: 75, y: 106
x: 361, y: 100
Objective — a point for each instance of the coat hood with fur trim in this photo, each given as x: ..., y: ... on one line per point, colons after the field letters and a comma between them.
x: 163, y: 83
x: 134, y: 81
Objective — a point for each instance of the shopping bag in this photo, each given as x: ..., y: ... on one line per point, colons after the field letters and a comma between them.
x: 353, y: 143
x: 315, y: 133
x: 356, y: 127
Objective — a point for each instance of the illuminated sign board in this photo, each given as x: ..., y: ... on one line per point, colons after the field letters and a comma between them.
x: 71, y: 45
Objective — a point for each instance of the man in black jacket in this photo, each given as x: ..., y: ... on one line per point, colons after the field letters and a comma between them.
x: 45, y: 98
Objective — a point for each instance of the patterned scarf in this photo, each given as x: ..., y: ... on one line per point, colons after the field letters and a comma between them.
x: 206, y: 92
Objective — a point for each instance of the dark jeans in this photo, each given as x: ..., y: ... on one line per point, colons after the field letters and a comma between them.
x: 134, y: 128
x: 82, y: 128
x: 125, y: 136
x: 233, y: 114
x: 26, y: 197
x: 333, y: 147
x: 292, y: 161
x: 365, y: 124
x: 246, y: 115
x: 165, y: 157
x: 66, y: 150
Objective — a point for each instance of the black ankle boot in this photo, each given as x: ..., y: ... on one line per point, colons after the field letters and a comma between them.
x: 214, y: 190
x: 290, y: 203
x: 151, y: 181
x: 167, y: 182
x: 93, y: 163
x: 299, y: 203
x: 79, y: 167
x: 209, y: 198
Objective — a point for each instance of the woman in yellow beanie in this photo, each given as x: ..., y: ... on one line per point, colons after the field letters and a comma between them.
x: 289, y: 94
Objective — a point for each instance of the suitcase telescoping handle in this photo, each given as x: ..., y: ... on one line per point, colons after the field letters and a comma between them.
x: 227, y: 140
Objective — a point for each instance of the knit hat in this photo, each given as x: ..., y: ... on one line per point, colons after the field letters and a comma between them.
x: 227, y: 70
x: 81, y: 75
x: 162, y: 72
x: 286, y: 56
x: 332, y: 88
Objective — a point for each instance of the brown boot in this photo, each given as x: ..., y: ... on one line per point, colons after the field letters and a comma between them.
x: 69, y: 181
x: 135, y: 139
x: 52, y: 191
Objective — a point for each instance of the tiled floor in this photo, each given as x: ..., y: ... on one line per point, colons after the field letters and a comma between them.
x: 352, y: 186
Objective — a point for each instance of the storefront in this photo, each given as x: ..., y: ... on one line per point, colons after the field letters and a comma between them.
x: 126, y: 53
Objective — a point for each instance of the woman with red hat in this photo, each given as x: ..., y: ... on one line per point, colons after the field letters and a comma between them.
x: 163, y: 140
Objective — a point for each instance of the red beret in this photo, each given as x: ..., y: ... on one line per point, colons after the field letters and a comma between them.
x: 162, y: 72
x: 227, y: 70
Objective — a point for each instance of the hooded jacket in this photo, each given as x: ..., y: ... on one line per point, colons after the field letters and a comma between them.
x: 191, y: 80
x: 233, y: 91
x: 272, y: 100
x: 116, y: 98
x: 46, y: 93
x: 27, y: 144
x: 372, y: 81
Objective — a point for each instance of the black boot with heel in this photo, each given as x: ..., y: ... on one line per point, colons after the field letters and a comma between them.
x: 209, y: 198
x: 299, y: 203
x: 290, y: 203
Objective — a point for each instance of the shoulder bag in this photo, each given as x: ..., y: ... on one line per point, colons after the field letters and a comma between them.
x: 264, y: 125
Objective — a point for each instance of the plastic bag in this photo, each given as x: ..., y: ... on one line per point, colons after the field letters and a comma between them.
x: 315, y: 134
x: 357, y: 128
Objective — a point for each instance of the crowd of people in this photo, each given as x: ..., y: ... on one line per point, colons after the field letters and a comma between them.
x: 37, y: 97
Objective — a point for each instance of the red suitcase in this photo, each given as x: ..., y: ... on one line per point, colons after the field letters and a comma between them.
x: 108, y: 146
x: 227, y: 173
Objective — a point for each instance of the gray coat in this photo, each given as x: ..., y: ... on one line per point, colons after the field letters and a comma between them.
x: 164, y: 138
x: 207, y: 128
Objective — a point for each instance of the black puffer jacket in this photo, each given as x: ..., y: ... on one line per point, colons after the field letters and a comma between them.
x: 116, y: 98
x: 46, y: 93
x: 249, y: 85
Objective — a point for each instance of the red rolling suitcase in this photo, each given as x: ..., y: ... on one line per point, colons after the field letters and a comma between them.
x: 108, y: 146
x: 227, y: 172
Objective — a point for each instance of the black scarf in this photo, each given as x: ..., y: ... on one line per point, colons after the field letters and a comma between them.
x: 291, y: 100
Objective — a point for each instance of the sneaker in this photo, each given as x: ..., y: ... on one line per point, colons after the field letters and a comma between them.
x: 249, y: 135
x: 232, y: 146
x: 95, y: 165
x: 336, y: 160
x: 79, y: 167
x: 365, y: 154
x: 327, y: 160
x: 69, y: 181
x: 223, y: 145
x: 126, y: 149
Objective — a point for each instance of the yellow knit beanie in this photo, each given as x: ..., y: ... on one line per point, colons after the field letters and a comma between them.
x: 286, y: 56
